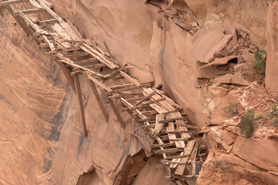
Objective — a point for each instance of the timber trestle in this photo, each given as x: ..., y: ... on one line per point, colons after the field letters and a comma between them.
x: 177, y: 142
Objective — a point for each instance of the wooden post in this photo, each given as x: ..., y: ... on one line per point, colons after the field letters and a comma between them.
x: 100, y: 103
x: 79, y: 97
x: 115, y: 109
x: 67, y: 75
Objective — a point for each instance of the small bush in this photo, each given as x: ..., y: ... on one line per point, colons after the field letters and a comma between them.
x: 247, y: 124
x: 273, y: 110
x: 260, y: 61
x: 231, y: 109
x: 274, y: 113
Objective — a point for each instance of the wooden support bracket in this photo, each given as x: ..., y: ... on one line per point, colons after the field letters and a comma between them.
x: 115, y: 109
x: 100, y: 103
x: 80, y: 101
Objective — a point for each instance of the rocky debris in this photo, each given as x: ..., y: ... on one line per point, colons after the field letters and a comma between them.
x: 225, y: 54
x: 231, y: 79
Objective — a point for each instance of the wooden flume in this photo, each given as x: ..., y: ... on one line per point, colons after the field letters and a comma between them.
x: 160, y: 116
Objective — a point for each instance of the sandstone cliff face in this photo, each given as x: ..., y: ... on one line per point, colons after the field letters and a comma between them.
x: 41, y: 138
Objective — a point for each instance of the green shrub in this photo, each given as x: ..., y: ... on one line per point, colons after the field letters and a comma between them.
x: 273, y: 110
x: 260, y: 61
x: 231, y: 109
x: 274, y: 113
x: 247, y: 124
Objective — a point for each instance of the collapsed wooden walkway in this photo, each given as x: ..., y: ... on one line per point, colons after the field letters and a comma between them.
x: 177, y: 142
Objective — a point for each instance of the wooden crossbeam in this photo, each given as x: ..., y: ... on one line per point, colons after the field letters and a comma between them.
x: 116, y: 111
x: 30, y: 11
x: 70, y: 62
x: 7, y: 3
x: 167, y: 151
x: 49, y: 21
x: 45, y: 6
x: 162, y: 145
x: 81, y: 107
x: 100, y: 103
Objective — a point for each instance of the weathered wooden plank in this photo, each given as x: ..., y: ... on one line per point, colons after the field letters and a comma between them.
x: 187, y: 151
x: 81, y: 107
x: 50, y: 44
x: 30, y: 11
x: 67, y: 75
x: 158, y: 125
x: 173, y: 162
x: 162, y: 145
x: 7, y: 3
x: 115, y: 110
x: 49, y: 21
x: 100, y: 103
x: 132, y: 80
x: 168, y: 151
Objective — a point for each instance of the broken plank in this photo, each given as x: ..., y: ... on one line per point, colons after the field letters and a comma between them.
x: 100, y: 103
x: 80, y: 102
x: 187, y: 151
x: 116, y: 112
x: 158, y: 126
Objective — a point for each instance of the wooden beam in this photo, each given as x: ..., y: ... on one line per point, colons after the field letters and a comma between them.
x: 108, y: 50
x: 80, y: 101
x: 49, y: 21
x: 7, y: 3
x: 30, y: 11
x: 45, y: 6
x: 23, y: 25
x: 115, y: 109
x: 67, y: 75
x: 70, y: 62
x: 102, y: 85
x: 100, y: 103
x: 145, y: 98
x: 98, y: 56
x: 167, y: 151
x: 129, y: 78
